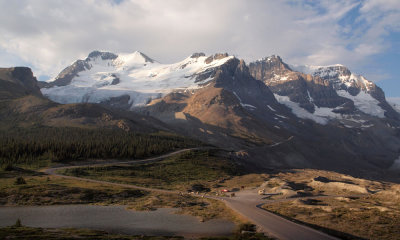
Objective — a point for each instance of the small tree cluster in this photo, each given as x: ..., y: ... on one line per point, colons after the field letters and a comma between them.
x: 20, y: 181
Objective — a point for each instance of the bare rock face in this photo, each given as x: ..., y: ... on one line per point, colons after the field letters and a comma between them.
x: 197, y: 55
x: 306, y: 90
x: 216, y: 56
x: 17, y: 82
x: 121, y: 102
x: 268, y: 68
x: 25, y: 77
x: 231, y: 107
x: 243, y: 108
x: 343, y: 80
x: 235, y: 76
x: 65, y: 77
x: 103, y: 55
x: 327, y: 87
x: 116, y: 79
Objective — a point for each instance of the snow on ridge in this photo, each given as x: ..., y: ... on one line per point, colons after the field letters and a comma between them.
x: 138, y: 76
x: 311, y: 69
x: 251, y: 107
x: 395, y: 103
x: 396, y: 164
x: 321, y: 115
x: 365, y: 103
x: 271, y: 108
x: 337, y: 73
x: 132, y: 58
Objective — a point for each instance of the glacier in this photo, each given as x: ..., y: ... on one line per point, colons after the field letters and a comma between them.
x: 138, y: 77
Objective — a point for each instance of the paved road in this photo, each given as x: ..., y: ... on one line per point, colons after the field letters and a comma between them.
x: 52, y: 171
x: 247, y: 203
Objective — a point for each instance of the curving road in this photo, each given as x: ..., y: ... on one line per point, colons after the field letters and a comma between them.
x: 247, y: 203
x: 52, y: 171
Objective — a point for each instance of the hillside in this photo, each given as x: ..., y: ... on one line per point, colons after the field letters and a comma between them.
x: 268, y: 113
x: 35, y: 130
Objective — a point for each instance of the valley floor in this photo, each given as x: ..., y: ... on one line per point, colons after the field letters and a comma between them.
x: 340, y: 205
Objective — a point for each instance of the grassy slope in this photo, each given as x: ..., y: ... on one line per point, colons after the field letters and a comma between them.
x: 360, y: 218
x: 374, y: 215
x: 178, y: 172
x: 43, y: 190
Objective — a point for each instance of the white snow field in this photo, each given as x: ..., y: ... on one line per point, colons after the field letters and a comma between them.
x: 140, y: 79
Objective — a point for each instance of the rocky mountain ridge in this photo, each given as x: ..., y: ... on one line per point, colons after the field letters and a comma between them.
x: 106, y: 77
x: 23, y: 105
x: 266, y: 113
x: 16, y: 82
x: 322, y: 93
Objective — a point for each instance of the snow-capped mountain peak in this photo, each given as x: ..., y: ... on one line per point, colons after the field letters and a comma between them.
x: 310, y: 89
x: 395, y: 103
x: 338, y: 74
x: 102, y: 55
x: 129, y: 59
x: 311, y: 69
x: 103, y: 76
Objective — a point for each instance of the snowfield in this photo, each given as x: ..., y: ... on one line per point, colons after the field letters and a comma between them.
x: 395, y: 103
x: 143, y: 79
x: 321, y: 115
x: 365, y: 103
x: 341, y: 79
x: 139, y: 78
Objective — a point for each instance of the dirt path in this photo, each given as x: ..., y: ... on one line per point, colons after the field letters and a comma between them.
x: 247, y: 203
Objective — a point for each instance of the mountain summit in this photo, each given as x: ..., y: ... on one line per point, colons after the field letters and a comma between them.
x: 104, y: 76
x: 268, y: 113
x: 322, y: 93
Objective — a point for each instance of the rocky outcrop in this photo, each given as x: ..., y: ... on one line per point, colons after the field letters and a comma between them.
x: 332, y: 87
x: 121, y: 102
x: 268, y: 68
x: 18, y: 82
x: 266, y: 109
x: 306, y: 90
x: 65, y: 77
x: 233, y: 106
x: 216, y: 56
x: 197, y: 55
x: 343, y: 80
x: 102, y: 55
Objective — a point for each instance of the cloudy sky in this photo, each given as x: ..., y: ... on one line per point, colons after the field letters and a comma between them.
x: 48, y: 35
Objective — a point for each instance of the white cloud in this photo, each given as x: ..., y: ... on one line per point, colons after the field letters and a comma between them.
x: 50, y: 34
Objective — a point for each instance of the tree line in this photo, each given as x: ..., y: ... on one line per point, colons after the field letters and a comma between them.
x: 66, y: 144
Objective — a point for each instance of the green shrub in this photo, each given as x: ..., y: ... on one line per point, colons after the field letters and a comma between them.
x: 18, y: 223
x: 20, y: 181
